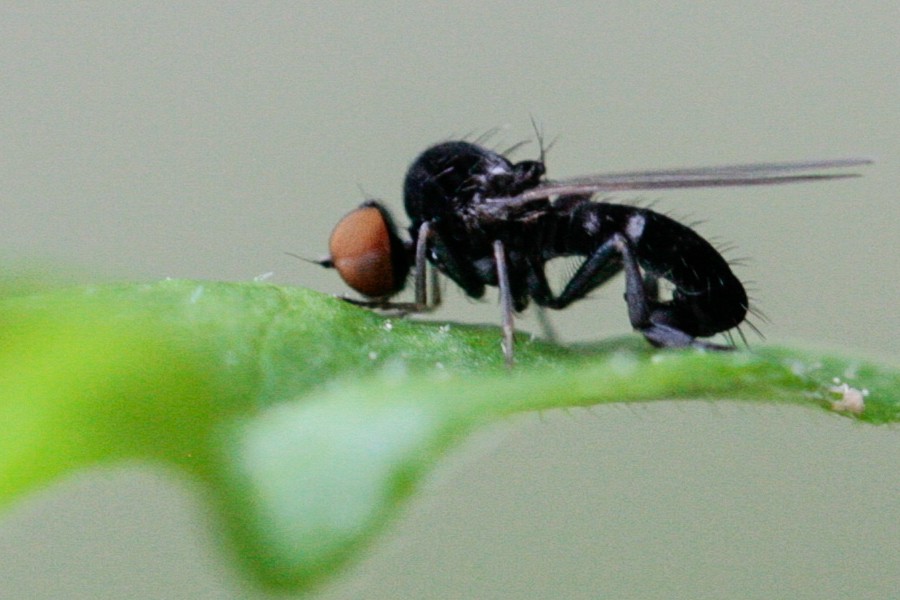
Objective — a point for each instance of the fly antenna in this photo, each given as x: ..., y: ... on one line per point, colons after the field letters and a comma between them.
x: 325, y: 261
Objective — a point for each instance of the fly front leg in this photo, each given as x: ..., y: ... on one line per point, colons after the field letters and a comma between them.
x: 424, y: 276
x: 421, y: 265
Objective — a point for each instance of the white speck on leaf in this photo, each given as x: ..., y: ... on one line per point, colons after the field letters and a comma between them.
x: 852, y: 399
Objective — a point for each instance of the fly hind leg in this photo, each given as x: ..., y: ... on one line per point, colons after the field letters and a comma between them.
x: 659, y: 322
x: 663, y: 324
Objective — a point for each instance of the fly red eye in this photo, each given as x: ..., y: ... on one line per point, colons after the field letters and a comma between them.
x: 367, y: 253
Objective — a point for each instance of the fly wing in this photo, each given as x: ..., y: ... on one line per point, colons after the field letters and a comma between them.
x: 721, y: 176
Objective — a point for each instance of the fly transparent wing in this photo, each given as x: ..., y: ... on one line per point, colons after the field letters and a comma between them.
x: 721, y: 176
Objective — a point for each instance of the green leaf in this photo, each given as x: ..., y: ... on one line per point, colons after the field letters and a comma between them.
x: 310, y: 420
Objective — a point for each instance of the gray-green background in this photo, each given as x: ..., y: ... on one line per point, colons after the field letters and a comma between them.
x: 205, y: 140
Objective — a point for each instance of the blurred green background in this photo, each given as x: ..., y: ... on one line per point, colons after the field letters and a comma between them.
x: 203, y: 140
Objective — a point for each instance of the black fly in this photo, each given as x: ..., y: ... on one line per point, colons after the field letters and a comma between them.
x: 484, y: 221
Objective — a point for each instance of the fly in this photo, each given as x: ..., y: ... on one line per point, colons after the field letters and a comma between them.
x: 484, y: 221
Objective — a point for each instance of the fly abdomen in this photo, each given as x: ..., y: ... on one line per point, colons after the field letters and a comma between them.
x: 707, y: 297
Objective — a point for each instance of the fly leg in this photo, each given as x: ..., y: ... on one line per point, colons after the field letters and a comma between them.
x: 547, y: 328
x: 506, y: 303
x: 637, y: 298
x: 655, y: 320
x: 421, y: 265
x: 601, y: 266
x: 424, y: 276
